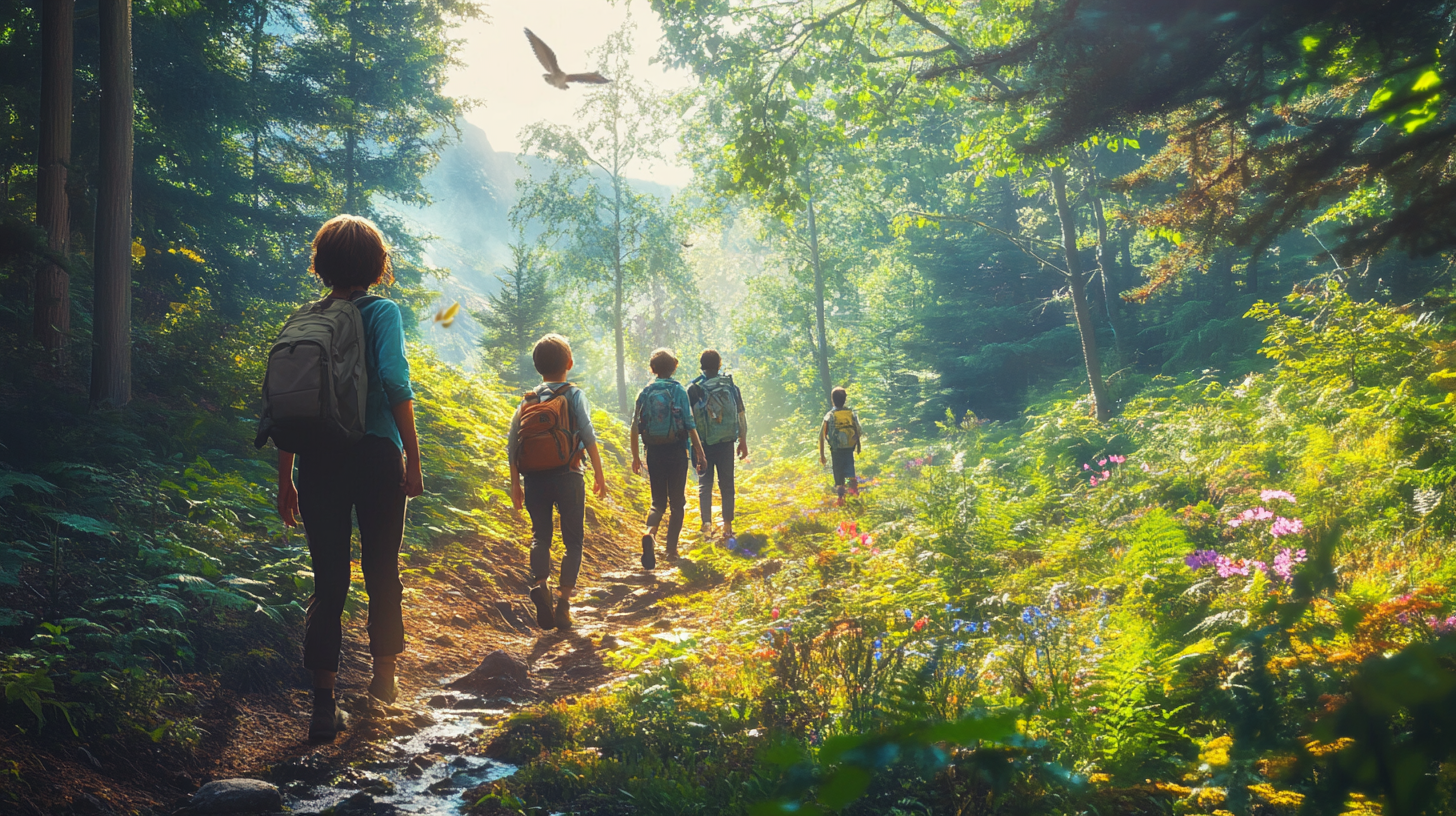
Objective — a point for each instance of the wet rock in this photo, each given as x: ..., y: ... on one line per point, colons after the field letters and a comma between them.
x: 440, y: 701
x: 363, y: 804
x: 419, y: 764
x: 310, y: 768
x: 500, y: 673
x: 235, y: 797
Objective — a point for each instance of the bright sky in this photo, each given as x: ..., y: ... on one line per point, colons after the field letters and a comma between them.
x: 503, y: 75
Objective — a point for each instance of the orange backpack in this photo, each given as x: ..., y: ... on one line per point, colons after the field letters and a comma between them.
x: 546, y: 439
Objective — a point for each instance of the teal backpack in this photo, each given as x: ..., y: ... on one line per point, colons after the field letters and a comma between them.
x: 717, y: 414
x: 661, y: 421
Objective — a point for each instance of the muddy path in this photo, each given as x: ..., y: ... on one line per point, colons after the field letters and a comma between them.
x: 422, y: 754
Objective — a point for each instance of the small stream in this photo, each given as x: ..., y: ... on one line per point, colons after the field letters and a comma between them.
x: 417, y: 773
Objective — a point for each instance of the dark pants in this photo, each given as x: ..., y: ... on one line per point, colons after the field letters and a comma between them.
x: 367, y: 480
x: 566, y: 492
x: 842, y: 460
x: 720, y: 458
x: 667, y: 472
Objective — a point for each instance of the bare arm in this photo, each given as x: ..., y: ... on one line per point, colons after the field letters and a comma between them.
x: 404, y: 419
x: 823, y: 429
x: 287, y: 494
x: 742, y: 435
x: 636, y: 455
x: 599, y: 487
x: 701, y: 458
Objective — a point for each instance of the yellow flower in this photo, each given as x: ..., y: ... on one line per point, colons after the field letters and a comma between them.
x: 1216, y: 751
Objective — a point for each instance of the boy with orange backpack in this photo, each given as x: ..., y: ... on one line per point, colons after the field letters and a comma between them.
x: 551, y: 430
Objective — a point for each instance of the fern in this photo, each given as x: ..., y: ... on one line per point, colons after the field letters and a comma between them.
x: 1155, y: 545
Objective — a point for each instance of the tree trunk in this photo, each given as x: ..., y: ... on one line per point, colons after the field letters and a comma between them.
x: 822, y: 353
x: 111, y: 360
x: 618, y: 294
x: 52, y: 319
x: 1120, y: 333
x: 1085, y: 327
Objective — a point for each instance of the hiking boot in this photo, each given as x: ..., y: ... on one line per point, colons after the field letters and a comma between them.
x: 384, y: 689
x: 563, y: 612
x: 541, y: 596
x: 649, y: 557
x: 327, y: 720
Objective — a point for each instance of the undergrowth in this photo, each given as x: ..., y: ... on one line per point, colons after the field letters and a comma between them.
x: 1233, y: 598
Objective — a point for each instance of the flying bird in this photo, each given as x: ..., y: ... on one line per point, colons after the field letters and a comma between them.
x: 556, y: 77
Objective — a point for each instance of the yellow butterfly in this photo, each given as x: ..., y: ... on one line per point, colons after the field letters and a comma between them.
x: 446, y: 317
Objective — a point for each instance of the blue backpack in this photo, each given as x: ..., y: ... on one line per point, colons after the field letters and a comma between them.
x: 661, y: 421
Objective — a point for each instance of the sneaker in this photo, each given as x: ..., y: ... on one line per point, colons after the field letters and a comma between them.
x: 327, y: 720
x: 672, y: 551
x: 706, y: 529
x: 384, y: 689
x: 649, y: 557
x: 541, y: 596
x: 563, y: 612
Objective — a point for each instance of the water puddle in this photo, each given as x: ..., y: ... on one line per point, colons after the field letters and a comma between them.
x: 424, y: 772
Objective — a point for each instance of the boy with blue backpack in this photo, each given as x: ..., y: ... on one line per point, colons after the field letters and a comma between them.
x: 721, y: 421
x: 664, y: 421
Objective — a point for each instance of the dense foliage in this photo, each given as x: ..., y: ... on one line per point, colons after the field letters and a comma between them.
x: 1232, y: 598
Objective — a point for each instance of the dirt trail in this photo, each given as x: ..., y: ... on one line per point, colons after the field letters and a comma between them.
x: 420, y: 755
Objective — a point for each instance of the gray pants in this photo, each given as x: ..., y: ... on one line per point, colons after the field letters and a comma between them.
x: 720, y: 458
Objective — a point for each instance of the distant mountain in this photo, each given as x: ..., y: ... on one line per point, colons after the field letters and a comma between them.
x: 473, y: 187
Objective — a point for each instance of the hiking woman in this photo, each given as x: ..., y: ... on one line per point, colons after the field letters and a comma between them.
x: 373, y: 477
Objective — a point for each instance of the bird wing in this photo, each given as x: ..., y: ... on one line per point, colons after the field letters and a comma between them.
x: 543, y: 53
x: 594, y: 78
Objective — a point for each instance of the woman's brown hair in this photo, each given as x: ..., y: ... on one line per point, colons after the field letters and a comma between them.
x: 349, y: 251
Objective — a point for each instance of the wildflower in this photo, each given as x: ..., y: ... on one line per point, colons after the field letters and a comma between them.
x: 1086, y: 466
x: 1101, y: 463
x: 864, y: 538
x: 1094, y: 481
x: 1270, y: 495
x: 1284, y: 562
x: 1146, y: 468
x: 1106, y: 474
x: 1097, y: 640
x: 878, y: 643
x: 908, y: 614
x: 920, y: 624
x: 1228, y: 567
x: 955, y: 625
x: 1283, y: 526
x: 960, y: 672
x: 878, y: 655
x: 1199, y: 559
x: 776, y: 613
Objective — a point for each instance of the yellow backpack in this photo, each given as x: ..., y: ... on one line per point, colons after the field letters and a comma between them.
x: 845, y: 431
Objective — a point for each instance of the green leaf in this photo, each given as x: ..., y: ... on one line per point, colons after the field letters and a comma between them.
x: 843, y: 787
x: 84, y: 524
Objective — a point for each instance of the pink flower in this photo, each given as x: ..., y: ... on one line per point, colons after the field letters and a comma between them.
x: 1106, y: 475
x: 1086, y: 466
x: 1283, y: 527
x: 1094, y: 481
x: 1227, y: 567
x: 1101, y: 463
x: 1284, y: 562
x: 1145, y: 467
x: 1270, y: 495
x: 776, y: 613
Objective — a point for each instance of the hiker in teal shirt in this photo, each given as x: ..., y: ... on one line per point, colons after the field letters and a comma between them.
x: 664, y: 421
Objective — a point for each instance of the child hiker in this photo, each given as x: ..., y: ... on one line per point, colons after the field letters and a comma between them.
x: 721, y: 421
x: 664, y: 421
x: 372, y: 470
x: 551, y: 430
x: 841, y: 429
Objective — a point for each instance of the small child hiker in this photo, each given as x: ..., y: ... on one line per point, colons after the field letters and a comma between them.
x: 721, y: 421
x: 550, y: 432
x: 841, y: 429
x: 664, y: 421
x: 349, y: 462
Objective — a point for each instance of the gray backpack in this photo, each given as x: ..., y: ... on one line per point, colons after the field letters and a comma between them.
x: 318, y: 380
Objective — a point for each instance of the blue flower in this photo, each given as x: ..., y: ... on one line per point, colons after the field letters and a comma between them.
x: 1026, y: 616
x: 877, y: 643
x: 908, y: 614
x: 986, y: 627
x: 877, y: 654
x: 1097, y: 639
x: 961, y: 672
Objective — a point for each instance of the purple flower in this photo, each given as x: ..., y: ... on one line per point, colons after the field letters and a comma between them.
x: 1198, y: 559
x: 1228, y: 568
x: 1284, y: 562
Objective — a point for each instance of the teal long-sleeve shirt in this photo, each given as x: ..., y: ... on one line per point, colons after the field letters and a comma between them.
x: 389, y: 374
